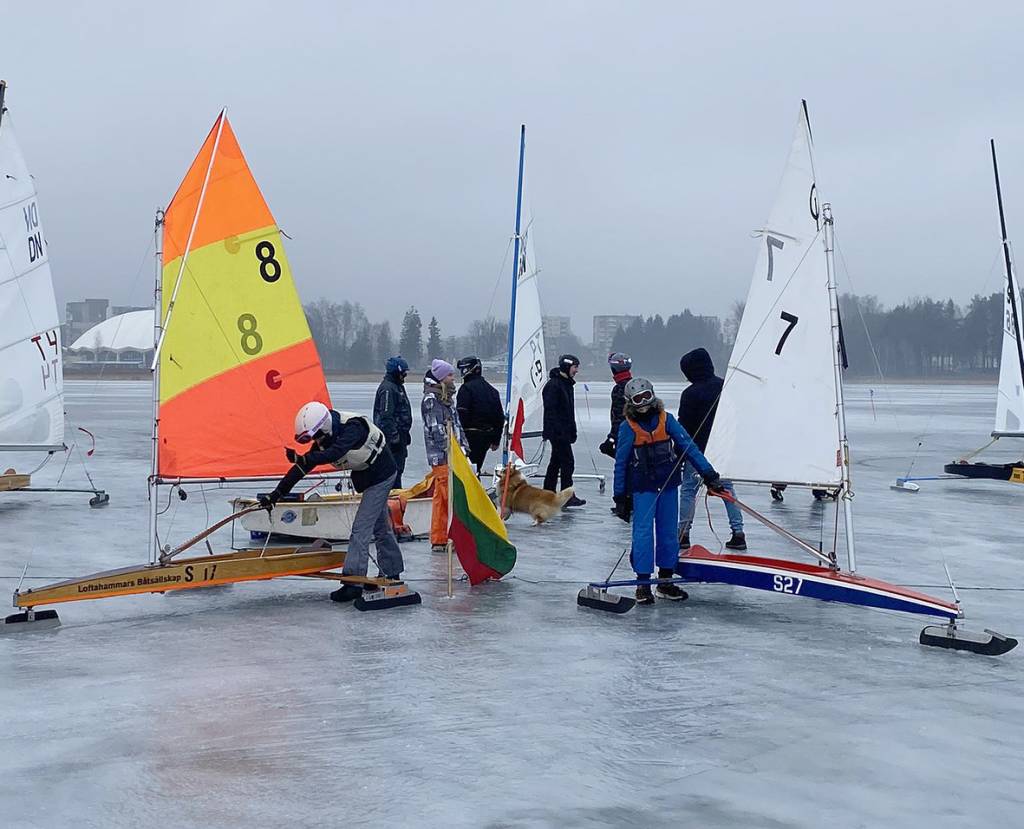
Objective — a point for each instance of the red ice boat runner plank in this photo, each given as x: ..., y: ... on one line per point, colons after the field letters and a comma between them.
x: 808, y: 580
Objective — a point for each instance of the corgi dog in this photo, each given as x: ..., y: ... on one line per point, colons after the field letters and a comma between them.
x: 541, y: 504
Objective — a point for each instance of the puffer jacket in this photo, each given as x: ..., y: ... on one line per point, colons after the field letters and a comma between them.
x: 559, y: 408
x: 479, y: 406
x: 438, y: 410
x: 392, y: 413
x: 699, y: 401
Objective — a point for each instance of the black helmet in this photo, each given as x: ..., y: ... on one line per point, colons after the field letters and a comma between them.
x: 566, y: 361
x: 469, y: 365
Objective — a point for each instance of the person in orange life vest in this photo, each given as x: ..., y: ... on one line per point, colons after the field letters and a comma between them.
x: 438, y: 411
x: 649, y: 453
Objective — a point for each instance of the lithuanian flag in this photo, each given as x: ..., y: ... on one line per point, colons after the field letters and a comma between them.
x: 474, y: 526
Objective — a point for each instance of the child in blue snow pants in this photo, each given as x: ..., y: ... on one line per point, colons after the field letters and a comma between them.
x: 650, y: 450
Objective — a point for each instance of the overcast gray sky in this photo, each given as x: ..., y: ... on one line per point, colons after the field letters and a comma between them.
x: 384, y: 136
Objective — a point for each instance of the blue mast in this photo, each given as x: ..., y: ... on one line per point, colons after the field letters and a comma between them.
x: 515, y: 285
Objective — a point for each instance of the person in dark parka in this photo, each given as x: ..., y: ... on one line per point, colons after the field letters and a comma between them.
x: 560, y: 425
x: 697, y: 407
x: 479, y: 407
x: 392, y: 413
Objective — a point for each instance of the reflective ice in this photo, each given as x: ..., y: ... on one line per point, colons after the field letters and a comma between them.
x: 508, y: 706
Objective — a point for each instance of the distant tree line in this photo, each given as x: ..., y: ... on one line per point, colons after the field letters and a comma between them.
x: 921, y: 337
x: 656, y: 344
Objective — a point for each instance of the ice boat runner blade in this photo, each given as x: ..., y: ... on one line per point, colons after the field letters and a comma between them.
x: 597, y: 598
x: 988, y: 643
x: 31, y: 621
x: 389, y: 596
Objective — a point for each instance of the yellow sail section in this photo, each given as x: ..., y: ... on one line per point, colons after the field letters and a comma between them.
x: 237, y: 358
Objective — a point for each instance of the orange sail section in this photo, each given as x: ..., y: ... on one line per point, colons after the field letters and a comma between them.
x: 237, y: 359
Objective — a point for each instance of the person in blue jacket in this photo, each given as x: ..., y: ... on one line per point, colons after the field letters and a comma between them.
x: 650, y: 450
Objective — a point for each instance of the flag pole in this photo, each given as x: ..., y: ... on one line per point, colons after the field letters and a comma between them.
x: 451, y: 548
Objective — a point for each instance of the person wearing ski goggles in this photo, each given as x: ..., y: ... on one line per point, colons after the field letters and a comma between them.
x: 650, y: 450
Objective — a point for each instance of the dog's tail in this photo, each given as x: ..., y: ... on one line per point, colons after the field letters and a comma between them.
x: 563, y: 496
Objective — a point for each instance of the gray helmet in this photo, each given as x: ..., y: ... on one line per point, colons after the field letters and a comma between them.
x: 617, y: 361
x: 639, y: 387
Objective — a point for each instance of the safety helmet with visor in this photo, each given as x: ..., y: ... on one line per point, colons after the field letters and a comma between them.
x: 640, y: 392
x: 311, y: 419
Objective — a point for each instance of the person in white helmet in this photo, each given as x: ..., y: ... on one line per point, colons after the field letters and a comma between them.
x: 346, y: 440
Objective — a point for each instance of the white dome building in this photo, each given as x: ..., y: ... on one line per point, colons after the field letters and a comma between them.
x: 125, y: 340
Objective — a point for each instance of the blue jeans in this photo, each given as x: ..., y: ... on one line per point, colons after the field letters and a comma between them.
x: 688, y: 501
x: 654, y: 527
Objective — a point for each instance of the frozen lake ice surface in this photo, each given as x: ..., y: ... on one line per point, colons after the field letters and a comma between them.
x: 266, y: 704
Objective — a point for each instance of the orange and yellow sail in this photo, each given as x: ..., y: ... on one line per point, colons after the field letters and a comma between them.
x: 237, y: 359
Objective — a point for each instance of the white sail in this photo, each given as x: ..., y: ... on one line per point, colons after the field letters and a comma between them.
x: 777, y: 418
x: 31, y: 374
x: 1010, y: 398
x: 527, y: 361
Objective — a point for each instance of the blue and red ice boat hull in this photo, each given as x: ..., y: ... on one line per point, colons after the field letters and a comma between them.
x: 811, y: 581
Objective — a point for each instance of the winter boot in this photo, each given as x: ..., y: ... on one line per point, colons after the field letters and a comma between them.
x: 575, y: 502
x: 737, y: 542
x: 684, y: 539
x: 438, y: 548
x: 347, y: 593
x: 672, y: 592
x: 643, y: 591
x: 777, y: 493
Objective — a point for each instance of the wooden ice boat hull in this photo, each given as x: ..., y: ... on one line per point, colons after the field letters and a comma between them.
x: 808, y: 580
x: 187, y: 574
x: 10, y: 481
x: 330, y: 517
x: 1012, y: 472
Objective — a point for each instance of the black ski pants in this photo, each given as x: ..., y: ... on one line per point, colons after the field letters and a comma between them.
x: 562, y: 464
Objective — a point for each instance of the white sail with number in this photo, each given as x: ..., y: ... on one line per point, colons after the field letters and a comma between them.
x: 777, y: 418
x: 1010, y: 397
x: 31, y: 376
x: 527, y: 359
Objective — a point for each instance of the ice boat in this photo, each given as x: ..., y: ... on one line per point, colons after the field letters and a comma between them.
x: 786, y: 374
x: 233, y: 361
x: 31, y: 365
x: 330, y: 516
x: 1009, y: 421
x: 786, y: 370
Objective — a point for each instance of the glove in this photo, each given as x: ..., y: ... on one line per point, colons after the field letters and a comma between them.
x: 713, y: 481
x: 608, y: 447
x: 291, y: 454
x: 407, y: 439
x: 624, y: 507
x: 267, y: 501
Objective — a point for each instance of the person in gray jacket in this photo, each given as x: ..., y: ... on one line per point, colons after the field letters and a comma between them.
x: 438, y: 411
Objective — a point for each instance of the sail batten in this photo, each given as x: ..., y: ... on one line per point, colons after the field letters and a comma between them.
x: 238, y: 358
x: 31, y: 369
x: 784, y: 350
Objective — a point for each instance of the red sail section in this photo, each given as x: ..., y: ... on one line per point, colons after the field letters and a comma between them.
x: 245, y: 418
